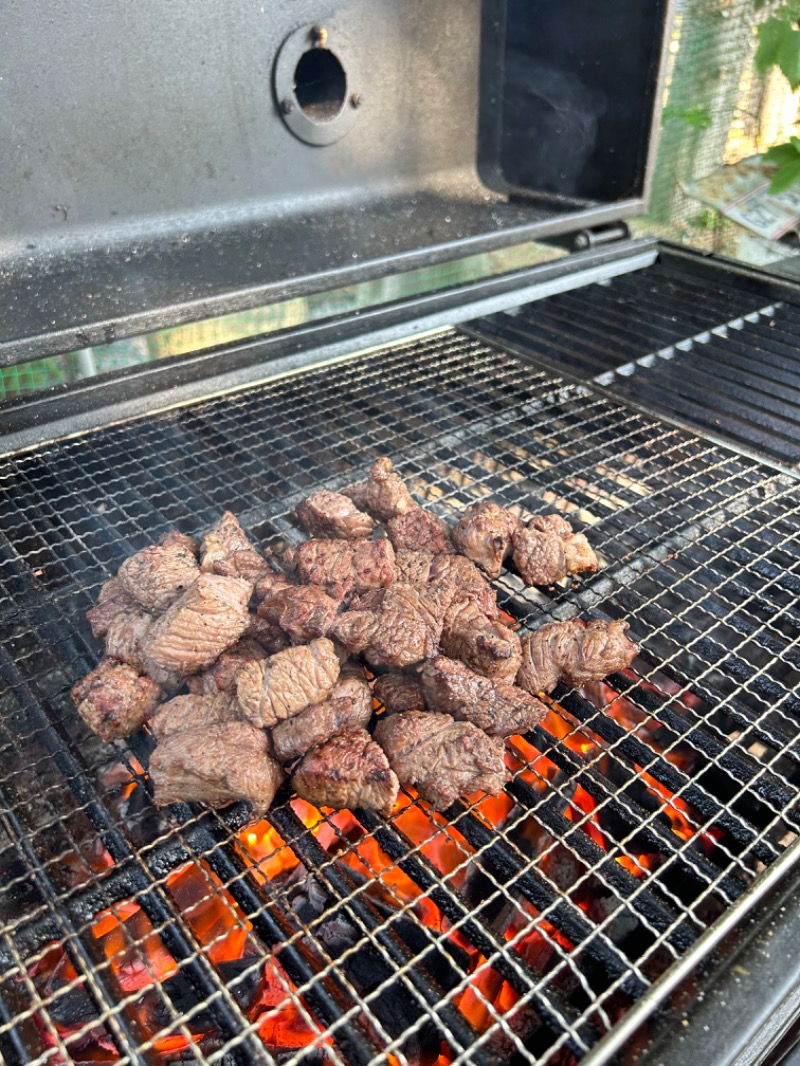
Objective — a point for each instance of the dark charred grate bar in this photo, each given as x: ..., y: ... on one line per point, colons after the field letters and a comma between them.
x: 639, y: 812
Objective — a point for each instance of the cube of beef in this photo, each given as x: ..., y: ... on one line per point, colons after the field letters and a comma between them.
x: 208, y: 618
x: 399, y: 692
x: 347, y: 771
x: 418, y: 530
x: 288, y: 682
x: 484, y: 535
x: 226, y: 550
x: 497, y: 707
x: 340, y: 567
x: 546, y: 550
x: 384, y: 494
x: 221, y: 675
x: 348, y: 705
x: 332, y: 515
x: 574, y: 653
x: 303, y: 612
x: 114, y: 700
x: 195, y: 712
x: 157, y: 576
x: 414, y: 567
x: 384, y: 638
x: 482, y: 643
x: 441, y: 758
x: 112, y: 601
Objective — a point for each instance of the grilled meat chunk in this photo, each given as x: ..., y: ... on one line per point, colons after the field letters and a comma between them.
x: 414, y: 567
x: 399, y: 692
x: 227, y: 551
x: 497, y: 707
x: 221, y: 677
x: 384, y: 638
x: 481, y: 642
x: 269, y: 583
x: 427, y: 601
x: 332, y: 515
x: 209, y: 617
x: 349, y: 705
x: 546, y: 550
x: 441, y: 758
x: 216, y: 765
x: 269, y: 635
x: 349, y: 770
x: 304, y: 612
x: 114, y: 700
x: 340, y: 567
x: 574, y: 653
x: 124, y: 636
x: 195, y: 712
x: 484, y: 535
x: 112, y: 601
x: 384, y: 494
x: 288, y: 682
x: 419, y: 530
x: 157, y: 576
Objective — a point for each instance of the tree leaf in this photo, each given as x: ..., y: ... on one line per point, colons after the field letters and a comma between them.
x: 795, y: 142
x: 770, y: 39
x: 786, y: 176
x: 698, y: 117
x: 789, y: 56
x: 781, y: 153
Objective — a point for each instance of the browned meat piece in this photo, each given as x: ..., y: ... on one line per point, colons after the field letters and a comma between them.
x: 418, y: 530
x: 227, y: 551
x: 547, y: 550
x: 484, y: 535
x: 413, y: 567
x: 349, y: 770
x: 302, y: 611
x: 112, y: 600
x: 114, y: 700
x: 288, y: 682
x: 330, y: 514
x: 343, y: 566
x: 574, y: 653
x: 216, y: 765
x: 157, y: 576
x: 270, y: 583
x: 465, y: 575
x: 384, y: 638
x: 195, y: 712
x: 125, y: 634
x: 441, y: 758
x: 486, y: 646
x: 221, y: 677
x: 349, y: 705
x: 384, y: 494
x: 209, y: 617
x: 269, y: 635
x: 399, y: 692
x: 497, y: 707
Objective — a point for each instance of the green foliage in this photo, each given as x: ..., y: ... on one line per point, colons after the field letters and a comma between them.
x: 699, y: 118
x: 779, y: 43
x: 787, y: 159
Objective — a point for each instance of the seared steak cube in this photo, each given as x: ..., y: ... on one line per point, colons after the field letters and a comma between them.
x: 574, y: 653
x: 221, y: 676
x: 484, y: 535
x: 497, y: 707
x: 384, y: 494
x: 227, y: 551
x: 288, y: 682
x: 348, y: 705
x: 547, y: 550
x: 112, y: 601
x: 114, y: 700
x: 303, y: 612
x: 343, y: 566
x: 399, y: 692
x: 195, y: 712
x: 482, y: 643
x: 157, y: 576
x: 384, y: 638
x: 418, y: 530
x: 347, y: 771
x: 332, y: 515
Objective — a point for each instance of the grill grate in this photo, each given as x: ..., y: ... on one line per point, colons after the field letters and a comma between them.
x: 717, y: 356
x: 640, y: 812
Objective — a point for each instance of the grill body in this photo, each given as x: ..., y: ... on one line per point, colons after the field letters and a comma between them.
x: 646, y: 821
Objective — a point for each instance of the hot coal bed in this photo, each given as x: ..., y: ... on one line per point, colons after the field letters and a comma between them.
x: 644, y: 815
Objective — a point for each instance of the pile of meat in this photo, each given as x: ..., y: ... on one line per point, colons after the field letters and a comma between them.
x: 275, y: 664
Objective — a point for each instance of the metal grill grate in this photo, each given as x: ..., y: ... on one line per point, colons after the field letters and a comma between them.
x: 639, y: 815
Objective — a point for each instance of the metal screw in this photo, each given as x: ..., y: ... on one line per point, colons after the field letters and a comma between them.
x: 319, y: 36
x: 287, y: 105
x: 356, y: 100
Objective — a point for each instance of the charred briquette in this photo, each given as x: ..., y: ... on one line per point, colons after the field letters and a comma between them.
x: 631, y: 816
x: 600, y: 956
x: 12, y: 1047
x: 183, y: 995
x: 557, y: 1017
x: 667, y: 774
x: 455, y: 1030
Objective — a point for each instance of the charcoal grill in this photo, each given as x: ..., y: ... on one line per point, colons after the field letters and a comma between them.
x: 629, y: 898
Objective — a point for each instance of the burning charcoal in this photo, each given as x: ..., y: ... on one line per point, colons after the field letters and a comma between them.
x: 208, y: 618
x: 157, y: 576
x: 215, y: 765
x: 343, y: 566
x: 384, y: 494
x: 400, y: 692
x: 288, y: 682
x: 547, y: 550
x: 112, y: 600
x: 348, y: 705
x: 574, y: 653
x: 181, y: 993
x: 303, y: 612
x: 384, y: 638
x: 484, y: 535
x: 221, y: 677
x: 114, y: 700
x: 419, y: 530
x: 227, y: 551
x: 497, y: 707
x: 330, y: 514
x: 347, y: 771
x: 194, y: 712
x: 486, y: 646
x: 443, y: 759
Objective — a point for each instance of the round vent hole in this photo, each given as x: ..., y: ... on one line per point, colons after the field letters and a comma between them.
x: 320, y: 84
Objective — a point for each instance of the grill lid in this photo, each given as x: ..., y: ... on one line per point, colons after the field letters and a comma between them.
x: 166, y: 167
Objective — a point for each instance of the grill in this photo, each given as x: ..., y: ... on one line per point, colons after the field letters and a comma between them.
x: 568, y: 921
